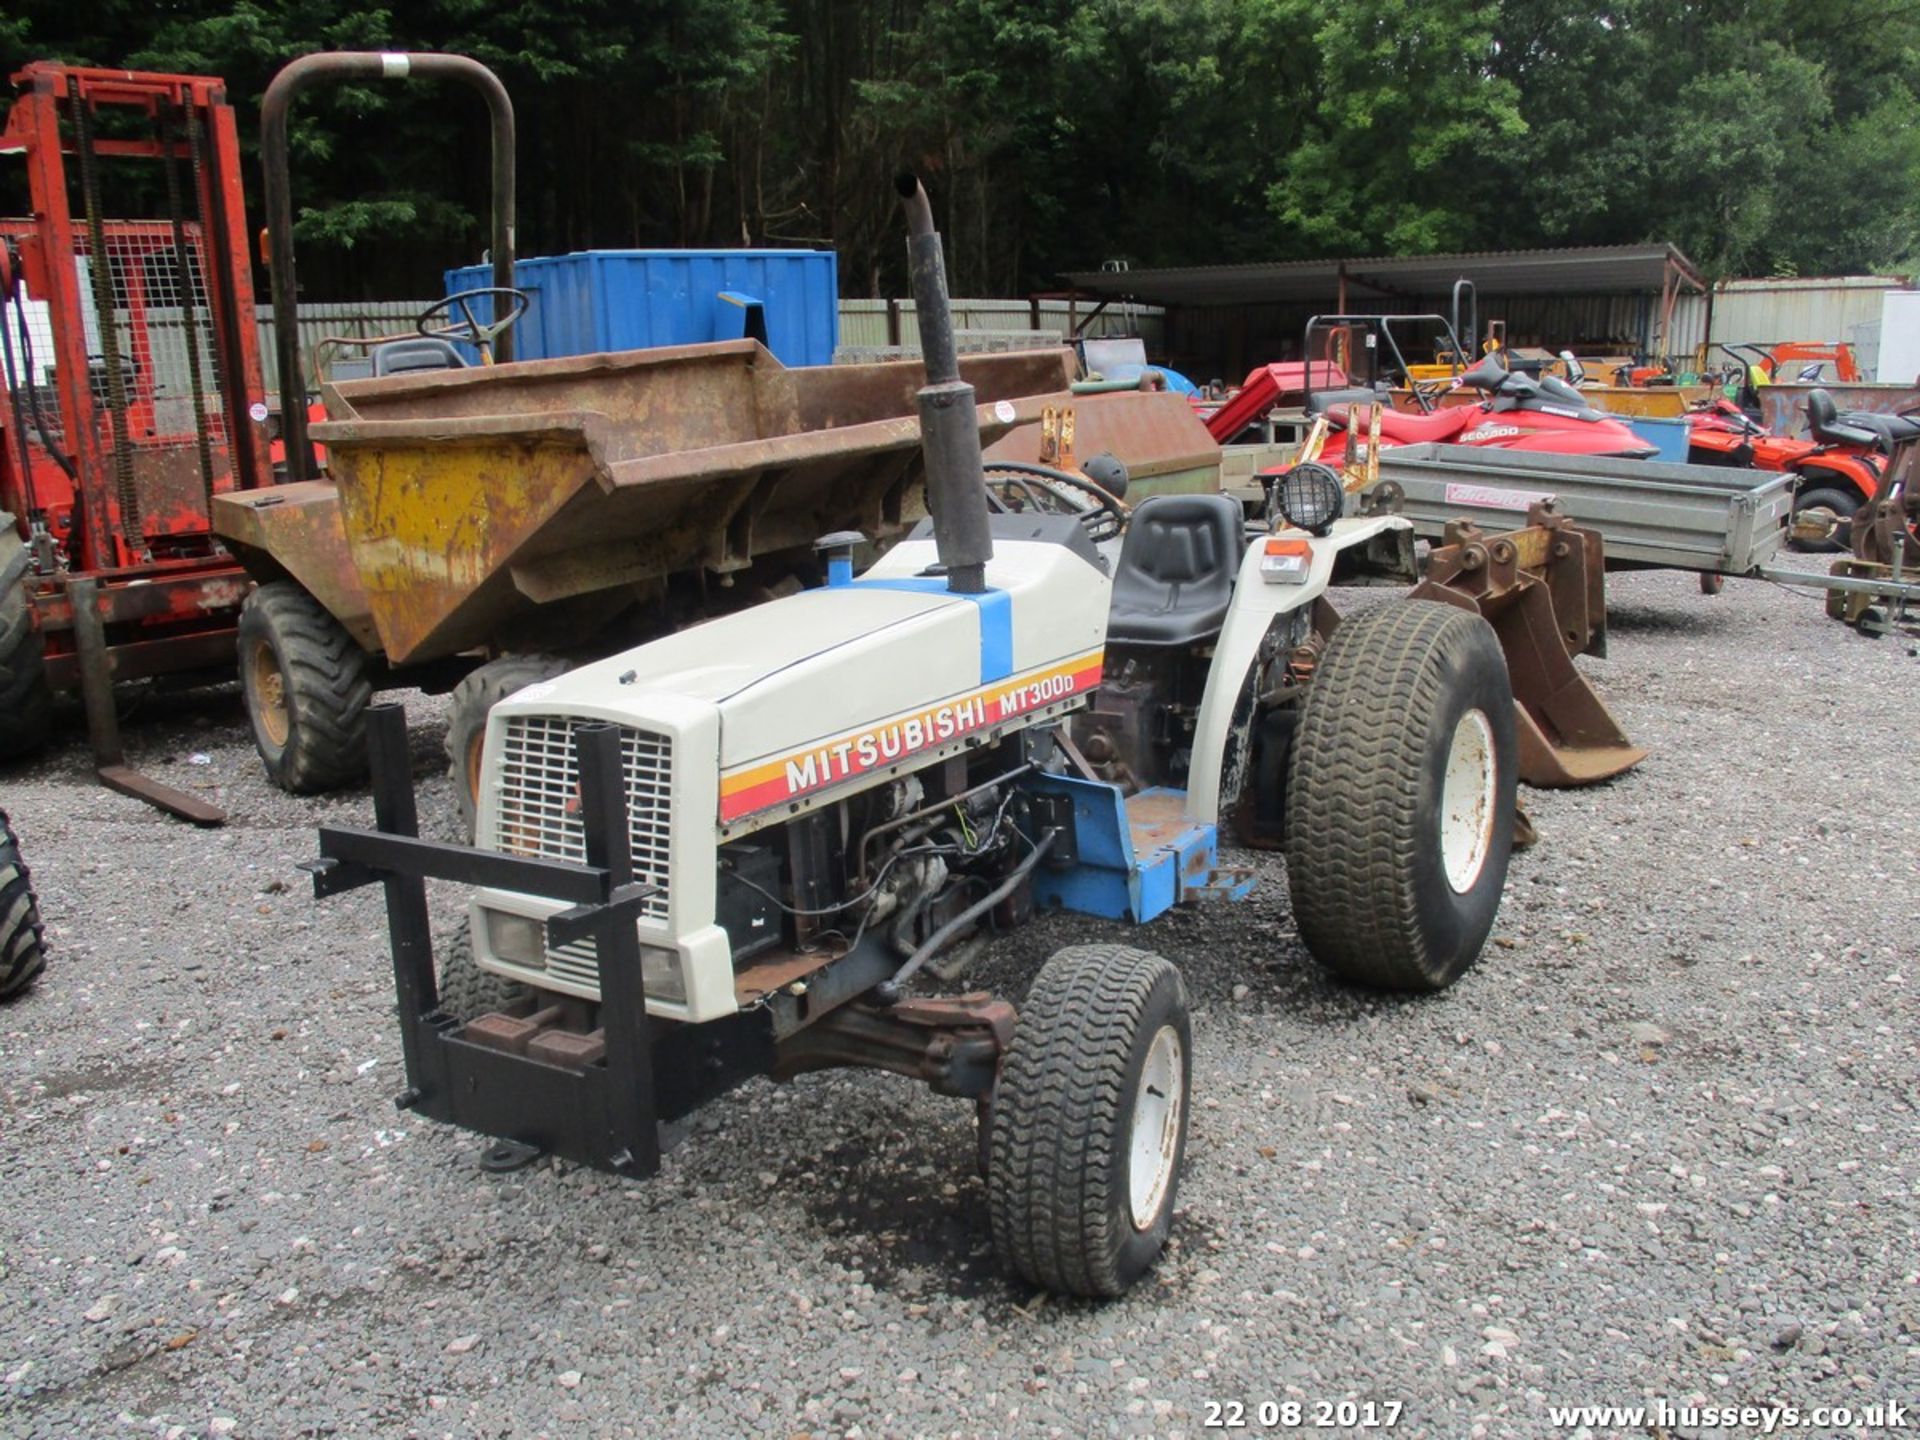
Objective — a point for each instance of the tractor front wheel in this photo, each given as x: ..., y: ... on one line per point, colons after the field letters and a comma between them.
x: 473, y: 697
x: 26, y: 701
x: 1400, y: 805
x: 1089, y: 1125
x: 23, y: 953
x: 306, y: 687
x: 466, y: 991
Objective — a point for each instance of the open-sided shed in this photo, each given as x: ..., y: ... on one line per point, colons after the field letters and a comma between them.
x: 1223, y: 319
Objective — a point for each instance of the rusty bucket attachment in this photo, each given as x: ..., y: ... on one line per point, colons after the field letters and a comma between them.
x: 1543, y: 589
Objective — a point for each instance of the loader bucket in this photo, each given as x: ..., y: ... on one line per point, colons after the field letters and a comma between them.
x: 471, y: 498
x: 1542, y: 589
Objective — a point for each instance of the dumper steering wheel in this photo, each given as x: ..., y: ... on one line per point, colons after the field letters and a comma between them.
x: 469, y: 327
x: 1013, y: 485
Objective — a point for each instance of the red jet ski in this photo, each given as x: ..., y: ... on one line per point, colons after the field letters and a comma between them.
x: 1545, y: 416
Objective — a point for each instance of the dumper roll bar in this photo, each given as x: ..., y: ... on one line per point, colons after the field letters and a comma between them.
x: 308, y: 70
x: 1380, y: 326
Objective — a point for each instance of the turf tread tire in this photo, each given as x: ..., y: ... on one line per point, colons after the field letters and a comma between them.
x: 26, y: 700
x: 1364, y: 866
x: 23, y: 952
x: 472, y: 699
x: 1058, y: 1153
x: 466, y: 991
x: 324, y: 674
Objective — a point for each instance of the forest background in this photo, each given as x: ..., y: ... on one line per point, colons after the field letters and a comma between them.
x: 1761, y: 136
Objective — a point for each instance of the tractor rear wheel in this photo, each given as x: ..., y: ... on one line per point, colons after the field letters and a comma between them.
x: 26, y: 700
x: 1841, y: 504
x: 23, y: 953
x: 473, y: 697
x: 1400, y: 804
x: 306, y: 686
x: 1089, y: 1124
x: 466, y: 991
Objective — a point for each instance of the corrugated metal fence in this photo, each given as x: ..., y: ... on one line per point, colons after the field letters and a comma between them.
x: 360, y: 320
x: 1767, y: 312
x: 864, y: 323
x: 984, y: 324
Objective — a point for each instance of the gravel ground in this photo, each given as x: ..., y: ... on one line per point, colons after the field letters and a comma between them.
x: 1659, y: 1144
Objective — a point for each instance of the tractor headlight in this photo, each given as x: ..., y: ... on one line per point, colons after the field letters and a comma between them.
x: 517, y: 939
x: 1311, y: 497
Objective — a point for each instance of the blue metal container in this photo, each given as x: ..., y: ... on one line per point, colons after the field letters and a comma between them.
x: 1668, y: 435
x: 599, y: 300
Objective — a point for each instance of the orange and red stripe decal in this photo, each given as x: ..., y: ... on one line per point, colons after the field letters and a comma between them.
x: 840, y: 758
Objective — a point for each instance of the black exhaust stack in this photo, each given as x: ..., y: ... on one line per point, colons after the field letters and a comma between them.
x: 949, y: 427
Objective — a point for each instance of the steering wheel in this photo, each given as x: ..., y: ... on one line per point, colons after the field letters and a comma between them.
x: 1040, y: 487
x: 469, y: 327
x: 1427, y: 392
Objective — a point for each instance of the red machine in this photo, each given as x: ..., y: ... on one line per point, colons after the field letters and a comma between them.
x: 1545, y: 416
x: 1838, y: 468
x: 1721, y: 433
x: 133, y: 395
x: 1265, y: 387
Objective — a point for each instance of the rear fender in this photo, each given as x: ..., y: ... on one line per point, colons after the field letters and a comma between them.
x: 1855, y: 472
x: 1257, y: 604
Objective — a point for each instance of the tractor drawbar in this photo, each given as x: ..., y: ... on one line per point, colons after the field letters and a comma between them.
x: 949, y: 428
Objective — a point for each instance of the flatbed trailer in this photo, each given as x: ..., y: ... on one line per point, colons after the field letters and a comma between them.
x: 1713, y: 520
x: 1707, y: 518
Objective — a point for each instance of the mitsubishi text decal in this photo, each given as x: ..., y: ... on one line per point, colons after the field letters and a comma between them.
x: 768, y: 783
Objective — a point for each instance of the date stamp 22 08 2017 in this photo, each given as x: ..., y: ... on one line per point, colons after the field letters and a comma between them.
x: 1342, y: 1415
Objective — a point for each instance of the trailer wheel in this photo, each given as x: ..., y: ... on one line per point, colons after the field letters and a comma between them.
x: 468, y: 992
x: 473, y: 697
x: 1090, y: 1120
x: 1841, y: 504
x: 23, y: 953
x: 26, y: 700
x: 306, y: 686
x: 1400, y: 805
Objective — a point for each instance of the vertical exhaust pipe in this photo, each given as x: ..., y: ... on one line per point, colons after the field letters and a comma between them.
x: 949, y: 427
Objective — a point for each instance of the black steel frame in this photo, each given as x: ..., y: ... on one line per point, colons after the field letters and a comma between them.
x: 604, y: 1115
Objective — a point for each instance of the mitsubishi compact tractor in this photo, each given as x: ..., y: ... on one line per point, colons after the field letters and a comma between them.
x: 734, y: 851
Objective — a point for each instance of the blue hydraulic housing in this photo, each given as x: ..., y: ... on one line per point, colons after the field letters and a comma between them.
x: 1135, y: 857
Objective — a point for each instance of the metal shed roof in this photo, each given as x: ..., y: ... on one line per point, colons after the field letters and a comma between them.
x: 1586, y: 270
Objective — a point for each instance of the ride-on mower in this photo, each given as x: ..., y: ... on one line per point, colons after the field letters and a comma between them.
x: 736, y: 851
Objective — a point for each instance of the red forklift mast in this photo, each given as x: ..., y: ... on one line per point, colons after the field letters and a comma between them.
x: 133, y: 387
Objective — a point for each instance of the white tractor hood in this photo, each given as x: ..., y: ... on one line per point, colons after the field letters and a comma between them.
x: 838, y: 687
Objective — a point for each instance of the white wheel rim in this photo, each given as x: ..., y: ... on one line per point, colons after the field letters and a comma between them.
x: 1466, y: 802
x: 1155, y: 1141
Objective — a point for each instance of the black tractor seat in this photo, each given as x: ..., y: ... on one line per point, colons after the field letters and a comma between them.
x: 1856, y: 427
x: 1176, y: 570
x: 1320, y: 401
x: 405, y: 357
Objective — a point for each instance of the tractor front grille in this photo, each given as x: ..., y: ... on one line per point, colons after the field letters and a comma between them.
x: 537, y: 803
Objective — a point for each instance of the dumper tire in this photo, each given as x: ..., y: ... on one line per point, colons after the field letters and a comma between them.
x: 1843, y: 504
x: 307, y: 690
x: 1400, y: 801
x: 23, y: 951
x: 466, y: 991
x: 26, y: 700
x: 1076, y: 1105
x: 473, y: 698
